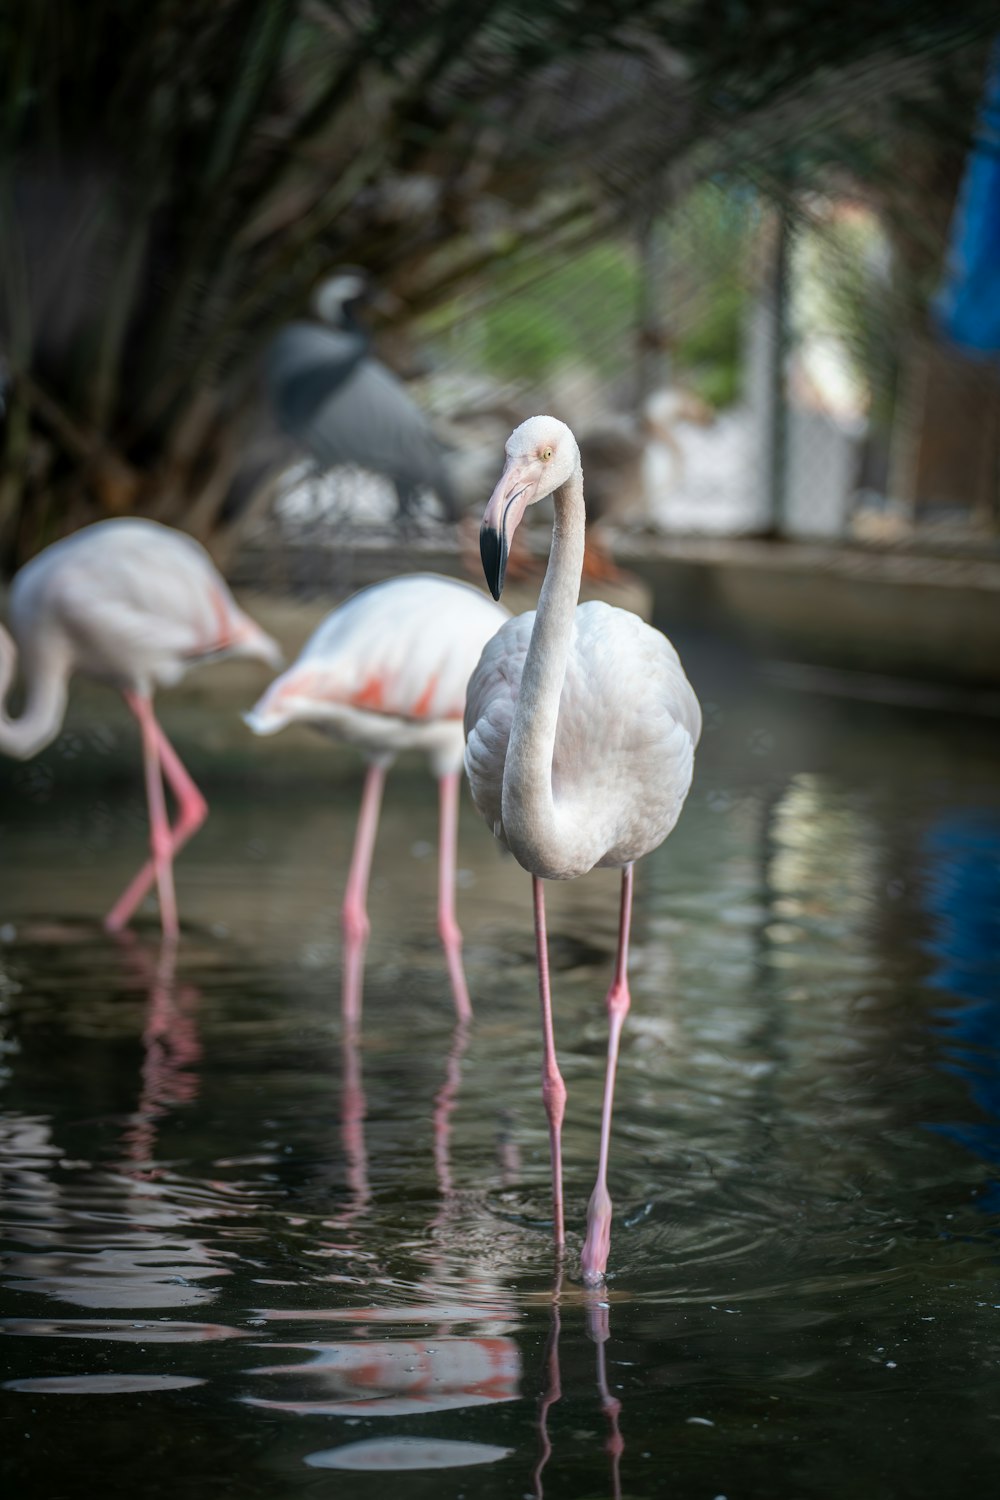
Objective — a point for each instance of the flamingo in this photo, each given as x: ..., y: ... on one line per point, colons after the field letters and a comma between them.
x: 581, y: 729
x: 387, y: 671
x: 134, y: 604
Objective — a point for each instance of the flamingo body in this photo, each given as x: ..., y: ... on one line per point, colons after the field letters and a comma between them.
x: 133, y: 604
x: 387, y: 671
x: 623, y: 756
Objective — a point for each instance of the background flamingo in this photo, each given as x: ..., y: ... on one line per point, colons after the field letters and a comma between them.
x: 134, y: 604
x: 581, y: 731
x: 387, y: 671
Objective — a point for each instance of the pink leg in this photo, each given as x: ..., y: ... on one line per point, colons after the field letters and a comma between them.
x: 594, y: 1259
x: 192, y: 811
x: 354, y: 914
x: 161, y: 842
x: 553, y: 1088
x: 448, y: 927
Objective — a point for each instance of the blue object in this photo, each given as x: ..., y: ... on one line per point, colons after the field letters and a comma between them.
x: 967, y: 306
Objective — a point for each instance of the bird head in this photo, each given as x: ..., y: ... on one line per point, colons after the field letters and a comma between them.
x: 340, y: 294
x: 541, y: 455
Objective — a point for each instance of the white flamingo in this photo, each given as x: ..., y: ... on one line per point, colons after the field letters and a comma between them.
x: 133, y: 604
x: 581, y: 730
x: 387, y: 671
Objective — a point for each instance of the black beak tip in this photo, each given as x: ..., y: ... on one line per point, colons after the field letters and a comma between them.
x: 493, y: 551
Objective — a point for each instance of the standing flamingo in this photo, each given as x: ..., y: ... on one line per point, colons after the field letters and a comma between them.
x: 387, y: 671
x: 134, y: 604
x: 581, y: 730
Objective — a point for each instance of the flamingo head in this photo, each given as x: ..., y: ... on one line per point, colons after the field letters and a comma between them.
x: 541, y: 455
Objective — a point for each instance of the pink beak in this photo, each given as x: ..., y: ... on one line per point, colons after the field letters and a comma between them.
x: 507, y: 504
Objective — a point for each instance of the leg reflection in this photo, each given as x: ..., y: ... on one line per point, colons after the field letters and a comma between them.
x: 552, y: 1390
x: 598, y: 1329
x: 444, y: 1104
x: 353, y: 1108
x: 171, y: 1049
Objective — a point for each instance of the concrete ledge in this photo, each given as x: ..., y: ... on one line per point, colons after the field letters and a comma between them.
x: 934, y: 618
x: 914, y: 613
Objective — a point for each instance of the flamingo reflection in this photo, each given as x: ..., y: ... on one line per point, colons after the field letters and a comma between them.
x: 469, y: 1360
x: 130, y: 1238
x: 353, y: 1111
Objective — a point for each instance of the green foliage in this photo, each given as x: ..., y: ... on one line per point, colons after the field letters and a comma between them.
x: 707, y: 259
x: 582, y: 308
x: 573, y: 309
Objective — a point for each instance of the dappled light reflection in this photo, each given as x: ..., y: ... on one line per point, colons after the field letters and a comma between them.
x: 101, y: 1385
x: 401, y: 1453
x: 962, y: 893
x: 121, y: 1330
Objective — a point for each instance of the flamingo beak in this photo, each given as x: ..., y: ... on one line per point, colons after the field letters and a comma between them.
x: 517, y: 488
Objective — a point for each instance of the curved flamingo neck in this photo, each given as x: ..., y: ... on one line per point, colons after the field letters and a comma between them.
x: 539, y: 838
x: 42, y: 716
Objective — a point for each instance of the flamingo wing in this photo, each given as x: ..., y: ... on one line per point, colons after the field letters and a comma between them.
x: 489, y: 712
x: 628, y: 725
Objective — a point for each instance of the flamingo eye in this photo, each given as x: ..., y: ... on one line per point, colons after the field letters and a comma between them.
x: 546, y: 454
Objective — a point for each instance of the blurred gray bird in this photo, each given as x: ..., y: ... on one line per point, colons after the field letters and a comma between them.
x: 334, y: 399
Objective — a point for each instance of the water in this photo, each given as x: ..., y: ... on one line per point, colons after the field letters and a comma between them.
x: 243, y: 1256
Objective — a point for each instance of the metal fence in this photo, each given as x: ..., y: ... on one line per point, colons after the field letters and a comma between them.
x: 761, y: 369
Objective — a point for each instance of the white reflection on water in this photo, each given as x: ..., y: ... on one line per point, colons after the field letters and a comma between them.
x: 121, y: 1330
x: 399, y: 1453
x: 101, y: 1385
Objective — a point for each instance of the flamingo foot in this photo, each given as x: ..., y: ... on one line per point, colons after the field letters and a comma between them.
x: 596, y: 1246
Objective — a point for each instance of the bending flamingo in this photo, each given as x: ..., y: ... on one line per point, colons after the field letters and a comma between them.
x: 581, y: 730
x: 133, y: 604
x: 387, y: 671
